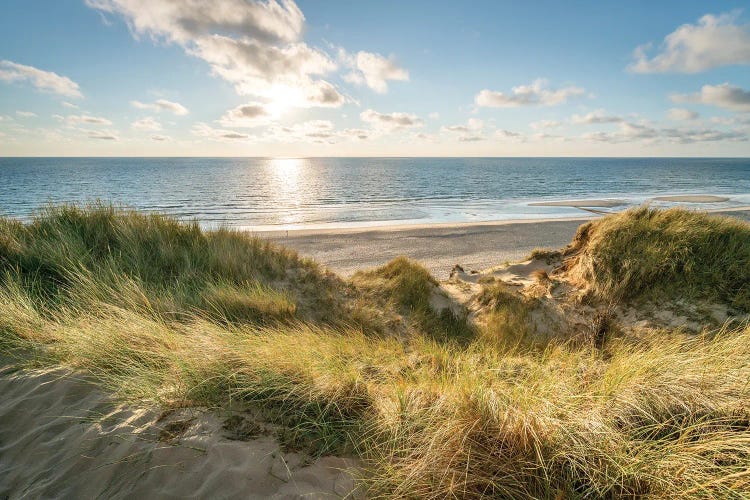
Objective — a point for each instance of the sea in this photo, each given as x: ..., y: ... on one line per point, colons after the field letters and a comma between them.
x: 310, y: 193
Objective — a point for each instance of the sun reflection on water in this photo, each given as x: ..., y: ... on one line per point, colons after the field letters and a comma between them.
x: 288, y: 178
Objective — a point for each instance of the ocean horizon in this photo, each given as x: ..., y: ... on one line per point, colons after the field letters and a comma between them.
x: 340, y: 192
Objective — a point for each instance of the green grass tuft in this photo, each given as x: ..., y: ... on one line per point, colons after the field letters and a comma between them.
x: 672, y: 254
x: 408, y: 287
x: 508, y: 323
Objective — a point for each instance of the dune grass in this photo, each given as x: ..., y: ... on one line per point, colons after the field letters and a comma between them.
x: 164, y: 267
x: 508, y: 323
x: 433, y: 416
x: 677, y: 253
x: 406, y: 287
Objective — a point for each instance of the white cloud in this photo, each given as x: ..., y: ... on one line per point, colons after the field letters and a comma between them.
x: 544, y: 124
x: 628, y: 132
x: 690, y: 136
x: 162, y: 105
x: 204, y: 130
x: 534, y: 94
x: 681, y: 114
x: 454, y: 128
x: 469, y: 132
x: 508, y: 135
x: 255, y: 45
x: 475, y: 124
x: 87, y: 119
x: 182, y: 21
x: 434, y: 115
x: 548, y: 137
x: 731, y: 120
x: 252, y: 114
x: 103, y: 135
x: 632, y: 132
x: 26, y: 114
x: 45, y: 81
x: 69, y: 105
x: 240, y: 59
x: 724, y: 96
x: 356, y: 133
x: 432, y: 138
x: 318, y: 131
x: 372, y: 70
x: 472, y: 125
x: 595, y: 117
x: 317, y: 93
x: 160, y: 138
x: 148, y: 124
x: 691, y: 48
x: 274, y: 73
x: 390, y: 121
x: 315, y: 131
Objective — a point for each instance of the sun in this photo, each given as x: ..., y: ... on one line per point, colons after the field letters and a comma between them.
x: 282, y: 98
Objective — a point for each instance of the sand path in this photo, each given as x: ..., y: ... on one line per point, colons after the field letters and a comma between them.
x: 61, y: 437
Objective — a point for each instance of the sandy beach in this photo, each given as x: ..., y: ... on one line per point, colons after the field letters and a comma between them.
x: 438, y: 247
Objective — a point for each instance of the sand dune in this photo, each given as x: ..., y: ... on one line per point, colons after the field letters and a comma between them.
x: 61, y: 437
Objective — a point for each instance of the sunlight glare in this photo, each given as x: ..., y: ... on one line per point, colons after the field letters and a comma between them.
x: 282, y: 98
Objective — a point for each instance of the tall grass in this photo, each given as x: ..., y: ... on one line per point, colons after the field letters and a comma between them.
x: 405, y: 288
x: 167, y: 267
x: 662, y: 416
x: 508, y: 322
x: 676, y: 253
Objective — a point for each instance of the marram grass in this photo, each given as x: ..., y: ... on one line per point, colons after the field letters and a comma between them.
x: 663, y: 417
x: 665, y: 254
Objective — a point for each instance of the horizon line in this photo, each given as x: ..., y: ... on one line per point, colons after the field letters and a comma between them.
x: 374, y: 157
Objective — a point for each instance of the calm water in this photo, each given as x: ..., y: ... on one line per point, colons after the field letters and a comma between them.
x: 322, y: 192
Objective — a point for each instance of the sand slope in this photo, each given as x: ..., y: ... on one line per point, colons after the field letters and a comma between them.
x: 61, y: 437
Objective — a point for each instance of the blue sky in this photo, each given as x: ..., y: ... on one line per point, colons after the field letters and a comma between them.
x: 342, y: 78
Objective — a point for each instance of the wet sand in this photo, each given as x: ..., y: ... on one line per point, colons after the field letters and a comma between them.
x: 439, y: 246
x: 579, y: 203
x: 693, y: 198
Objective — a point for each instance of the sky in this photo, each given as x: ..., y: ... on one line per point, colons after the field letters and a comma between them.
x: 380, y: 78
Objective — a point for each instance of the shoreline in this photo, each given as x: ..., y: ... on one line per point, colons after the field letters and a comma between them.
x: 439, y: 246
x: 387, y: 228
x: 391, y: 227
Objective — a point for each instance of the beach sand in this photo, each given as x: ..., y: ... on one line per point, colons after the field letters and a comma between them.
x: 62, y: 437
x: 438, y: 247
x: 475, y: 246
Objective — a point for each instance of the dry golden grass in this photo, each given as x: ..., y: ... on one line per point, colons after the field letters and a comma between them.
x: 661, y: 416
x: 668, y: 254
